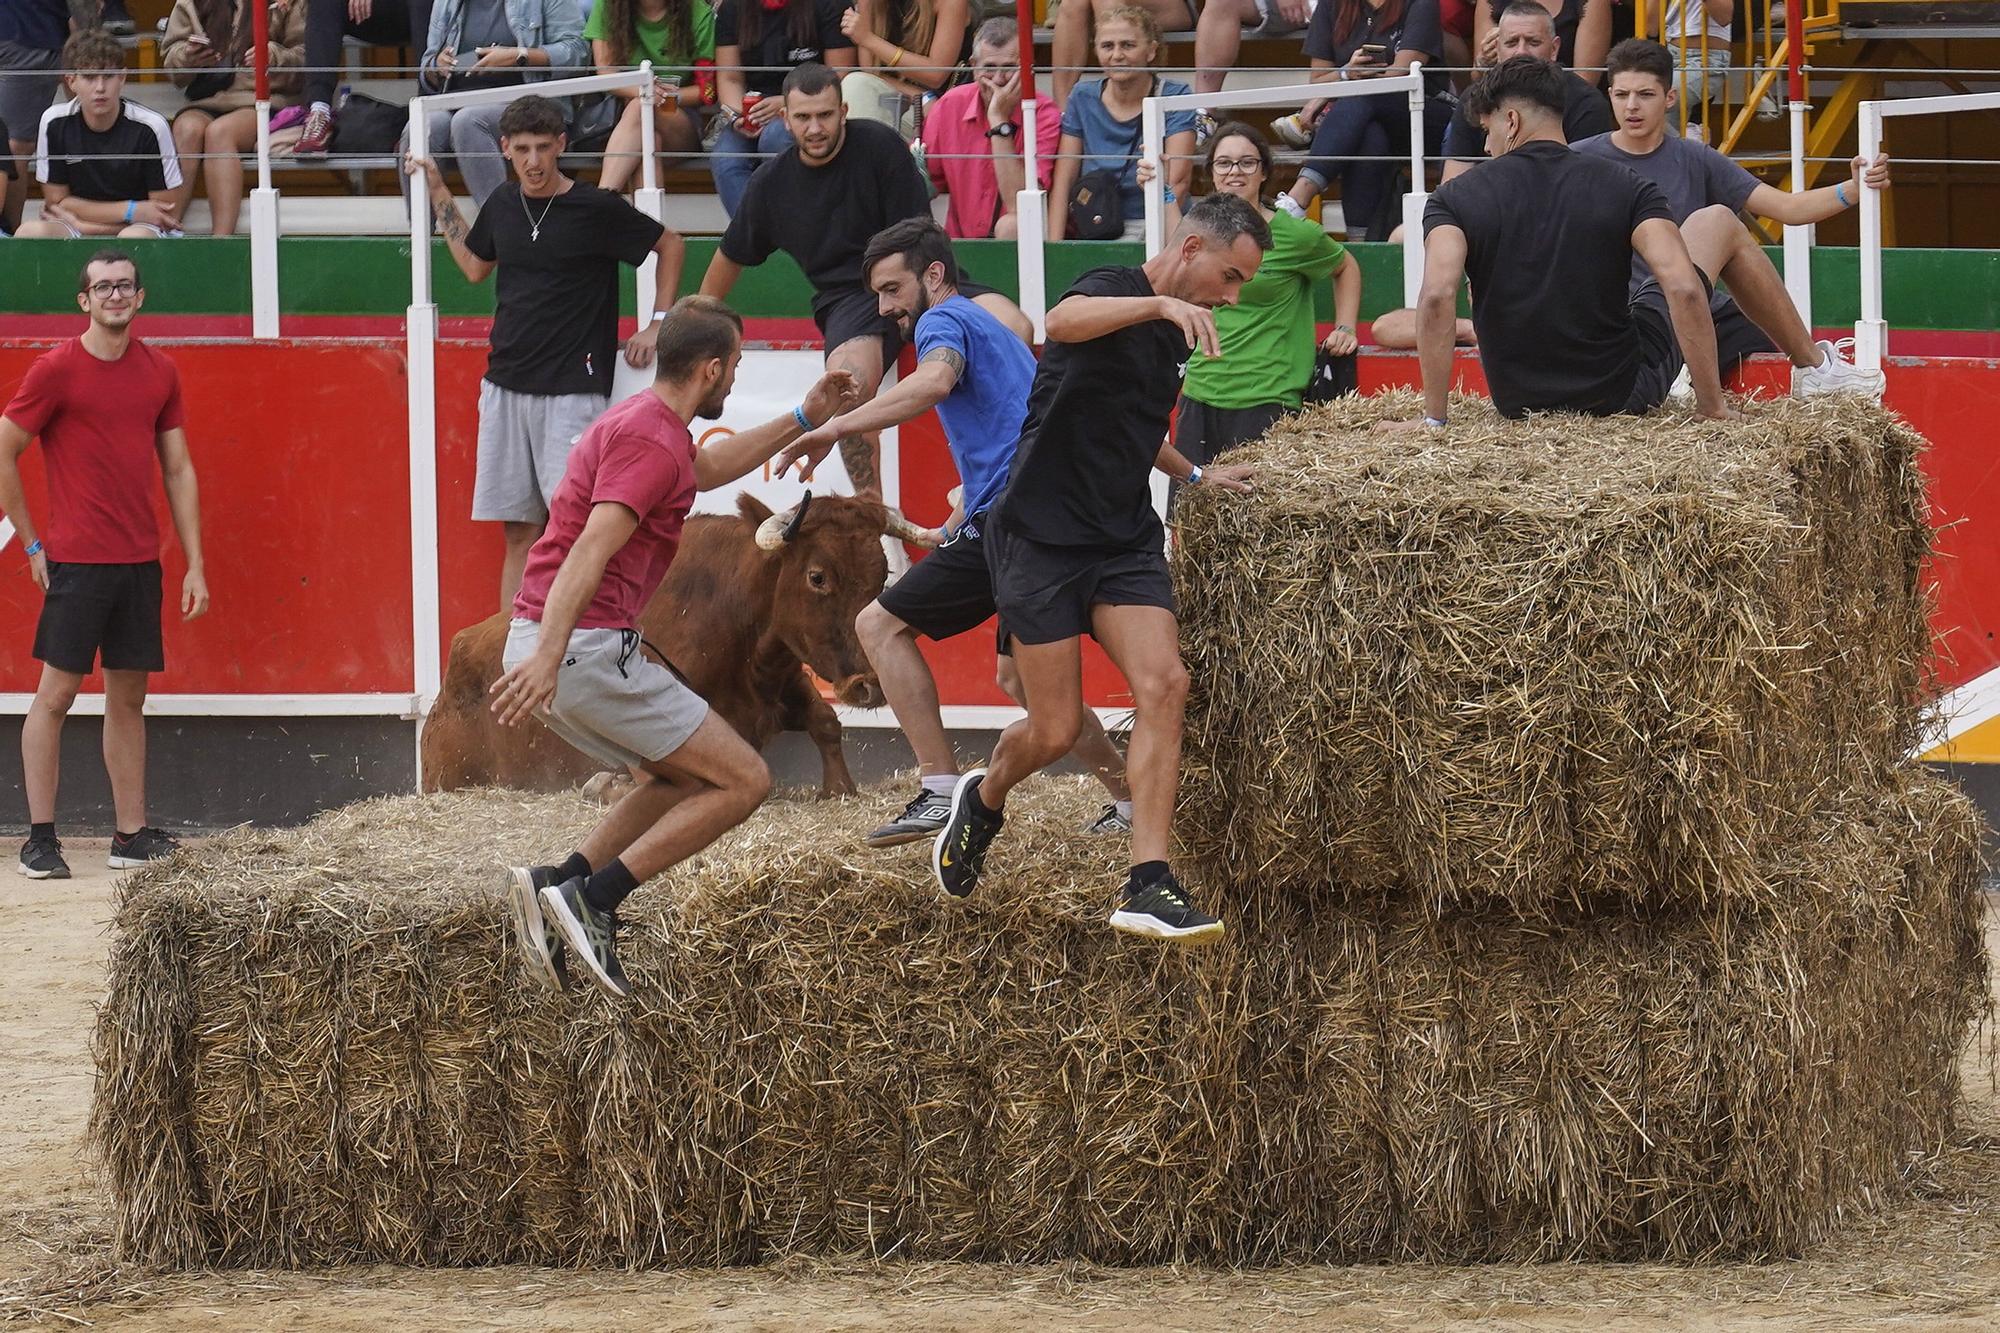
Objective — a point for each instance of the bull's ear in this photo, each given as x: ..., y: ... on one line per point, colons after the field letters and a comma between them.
x: 752, y: 508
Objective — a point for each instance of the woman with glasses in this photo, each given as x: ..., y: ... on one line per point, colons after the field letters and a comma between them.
x: 1267, y: 336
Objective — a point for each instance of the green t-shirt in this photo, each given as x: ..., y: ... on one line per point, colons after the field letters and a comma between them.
x: 1267, y: 336
x: 652, y: 39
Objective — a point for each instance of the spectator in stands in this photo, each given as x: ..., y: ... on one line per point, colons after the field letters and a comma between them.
x: 493, y: 44
x: 557, y: 244
x: 1269, y: 333
x: 905, y: 49
x: 779, y: 38
x: 678, y: 36
x: 376, y: 22
x: 107, y: 166
x: 973, y: 138
x: 1694, y: 176
x: 1697, y: 71
x: 1363, y: 39
x: 207, y: 51
x: 1582, y: 28
x: 1526, y: 29
x: 1101, y: 131
x: 1219, y: 34
x: 108, y: 410
x: 32, y: 33
x: 821, y: 201
x: 1075, y: 20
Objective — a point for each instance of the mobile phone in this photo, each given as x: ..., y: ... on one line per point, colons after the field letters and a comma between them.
x: 1375, y: 51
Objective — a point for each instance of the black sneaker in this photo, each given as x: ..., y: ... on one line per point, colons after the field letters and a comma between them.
x: 543, y: 949
x: 960, y: 849
x: 1161, y: 911
x: 1108, y: 823
x: 42, y: 858
x: 923, y: 817
x: 147, y: 845
x: 593, y: 934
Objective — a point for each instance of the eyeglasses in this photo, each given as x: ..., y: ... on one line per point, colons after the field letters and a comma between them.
x: 1233, y: 166
x: 125, y: 287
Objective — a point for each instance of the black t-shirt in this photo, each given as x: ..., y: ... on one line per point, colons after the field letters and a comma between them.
x: 1586, y: 113
x: 130, y: 160
x: 823, y: 217
x: 1097, y: 415
x: 555, y: 323
x: 1548, y: 252
x: 775, y: 44
x: 6, y: 159
x: 1416, y: 28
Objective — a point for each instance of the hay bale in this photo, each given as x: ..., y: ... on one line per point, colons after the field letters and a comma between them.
x: 1543, y: 664
x: 317, y: 1045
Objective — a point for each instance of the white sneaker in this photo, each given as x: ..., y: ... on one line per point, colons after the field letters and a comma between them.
x: 1292, y: 131
x: 1682, y: 388
x: 1292, y: 206
x: 1835, y: 374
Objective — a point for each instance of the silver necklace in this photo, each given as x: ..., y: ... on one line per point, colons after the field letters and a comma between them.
x: 535, y: 223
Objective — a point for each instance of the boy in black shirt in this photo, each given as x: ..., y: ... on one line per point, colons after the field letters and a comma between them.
x: 107, y: 166
x: 557, y: 244
x: 1076, y: 548
x: 820, y: 202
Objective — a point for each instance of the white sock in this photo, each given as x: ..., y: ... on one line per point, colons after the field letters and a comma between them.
x: 321, y: 106
x: 1124, y: 810
x: 940, y: 784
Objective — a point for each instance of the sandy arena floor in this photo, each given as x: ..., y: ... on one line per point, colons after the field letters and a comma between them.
x: 1931, y: 1263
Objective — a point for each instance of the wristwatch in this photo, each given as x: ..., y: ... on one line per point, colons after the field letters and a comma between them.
x: 1006, y: 131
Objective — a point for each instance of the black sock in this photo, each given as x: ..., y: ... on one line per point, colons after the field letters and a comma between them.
x: 1148, y: 873
x: 574, y: 868
x: 123, y: 835
x: 608, y: 887
x: 47, y: 830
x: 978, y: 808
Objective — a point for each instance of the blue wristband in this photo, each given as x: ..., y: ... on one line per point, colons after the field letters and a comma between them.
x: 35, y: 547
x: 799, y: 415
x: 131, y: 207
x: 1840, y: 193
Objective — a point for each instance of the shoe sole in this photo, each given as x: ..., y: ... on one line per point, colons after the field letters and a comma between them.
x: 899, y: 839
x: 555, y: 911
x: 1152, y: 928
x: 937, y: 843
x: 23, y: 868
x: 131, y: 862
x: 531, y: 930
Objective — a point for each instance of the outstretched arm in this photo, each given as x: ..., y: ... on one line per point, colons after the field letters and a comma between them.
x: 451, y: 224
x: 935, y: 376
x: 732, y: 456
x: 721, y: 276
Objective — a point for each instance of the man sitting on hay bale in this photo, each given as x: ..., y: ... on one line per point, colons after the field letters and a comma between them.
x: 1547, y: 236
x: 573, y: 656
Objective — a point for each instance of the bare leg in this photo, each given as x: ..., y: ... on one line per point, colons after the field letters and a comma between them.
x: 1094, y: 748
x: 861, y: 455
x: 41, y: 740
x: 521, y: 538
x: 1397, y: 329
x: 891, y: 646
x: 223, y: 170
x: 1721, y: 245
x: 1069, y: 47
x: 125, y: 746
x: 652, y: 795
x: 621, y: 152
x: 729, y: 782
x: 14, y: 198
x: 1051, y: 677
x: 1218, y: 37
x: 1144, y: 642
x: 190, y: 136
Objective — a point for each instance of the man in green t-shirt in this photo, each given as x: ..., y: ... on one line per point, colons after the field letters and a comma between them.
x: 678, y: 36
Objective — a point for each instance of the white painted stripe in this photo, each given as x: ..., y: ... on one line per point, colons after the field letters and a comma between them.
x: 1970, y: 705
x: 243, y: 705
x: 966, y: 717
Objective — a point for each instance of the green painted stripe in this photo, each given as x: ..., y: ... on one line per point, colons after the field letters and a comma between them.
x: 370, y: 275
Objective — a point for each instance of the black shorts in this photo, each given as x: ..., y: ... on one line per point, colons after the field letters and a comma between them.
x: 114, y: 609
x: 1044, y: 593
x: 847, y: 313
x: 947, y: 592
x: 1660, y: 359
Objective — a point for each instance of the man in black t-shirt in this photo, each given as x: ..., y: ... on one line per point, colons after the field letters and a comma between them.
x: 1075, y: 546
x: 107, y: 166
x: 1527, y: 29
x: 558, y: 245
x: 820, y: 202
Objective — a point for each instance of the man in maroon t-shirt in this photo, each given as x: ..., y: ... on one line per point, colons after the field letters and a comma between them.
x: 573, y: 658
x: 108, y: 409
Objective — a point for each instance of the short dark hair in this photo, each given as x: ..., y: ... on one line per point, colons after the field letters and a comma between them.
x: 698, y: 329
x: 1518, y: 79
x: 106, y: 256
x: 1224, y: 217
x: 1636, y: 55
x: 91, y: 51
x: 1238, y: 129
x: 1527, y: 9
x: 811, y: 78
x: 921, y: 243
x: 532, y: 114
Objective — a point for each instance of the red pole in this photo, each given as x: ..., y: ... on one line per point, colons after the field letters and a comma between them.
x: 260, y: 29
x: 1024, y: 22
x: 1795, y: 50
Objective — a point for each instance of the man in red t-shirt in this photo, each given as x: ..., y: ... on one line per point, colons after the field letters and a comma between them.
x: 573, y: 658
x: 108, y: 409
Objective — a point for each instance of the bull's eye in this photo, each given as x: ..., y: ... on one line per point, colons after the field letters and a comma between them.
x: 817, y: 578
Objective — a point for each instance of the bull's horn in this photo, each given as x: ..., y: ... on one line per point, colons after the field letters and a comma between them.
x: 895, y: 525
x: 775, y: 531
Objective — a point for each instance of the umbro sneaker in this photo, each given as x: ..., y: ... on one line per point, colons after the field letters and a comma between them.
x: 1109, y: 822
x: 1162, y: 911
x: 1835, y: 374
x: 960, y: 850
x: 42, y: 858
x: 925, y: 815
x: 541, y: 947
x: 591, y: 933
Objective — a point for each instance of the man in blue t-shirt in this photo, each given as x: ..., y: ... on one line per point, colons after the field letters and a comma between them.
x: 977, y: 374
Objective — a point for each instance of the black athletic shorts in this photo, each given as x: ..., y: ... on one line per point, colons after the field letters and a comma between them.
x: 114, y: 609
x: 847, y: 313
x: 1659, y: 350
x: 1203, y: 433
x: 947, y: 592
x: 1044, y: 593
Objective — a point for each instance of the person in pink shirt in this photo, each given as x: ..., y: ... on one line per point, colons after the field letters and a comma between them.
x: 973, y: 138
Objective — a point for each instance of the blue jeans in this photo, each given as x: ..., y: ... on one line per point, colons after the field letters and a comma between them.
x: 1371, y: 128
x: 737, y: 157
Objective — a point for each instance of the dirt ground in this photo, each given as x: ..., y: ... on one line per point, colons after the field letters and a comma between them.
x: 1929, y: 1263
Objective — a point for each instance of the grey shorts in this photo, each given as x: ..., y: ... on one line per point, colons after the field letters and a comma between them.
x: 612, y: 701
x: 28, y: 84
x: 524, y: 443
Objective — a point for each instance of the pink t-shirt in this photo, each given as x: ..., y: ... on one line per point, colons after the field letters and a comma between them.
x: 640, y: 455
x: 960, y: 157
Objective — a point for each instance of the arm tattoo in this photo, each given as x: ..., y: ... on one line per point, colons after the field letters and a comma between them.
x: 451, y: 223
x: 857, y: 455
x: 952, y: 360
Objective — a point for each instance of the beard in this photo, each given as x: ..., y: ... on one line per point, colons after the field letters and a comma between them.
x: 908, y: 323
x: 711, y: 406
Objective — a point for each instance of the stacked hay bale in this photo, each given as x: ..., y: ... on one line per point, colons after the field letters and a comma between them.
x: 1585, y: 913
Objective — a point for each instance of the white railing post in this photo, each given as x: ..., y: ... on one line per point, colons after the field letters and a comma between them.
x: 1152, y: 121
x: 1031, y: 223
x: 264, y: 235
x: 422, y: 330
x: 1799, y: 239
x: 651, y: 199
x: 1871, y: 333
x: 1414, y: 201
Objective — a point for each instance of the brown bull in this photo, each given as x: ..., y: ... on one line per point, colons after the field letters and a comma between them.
x: 750, y: 598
